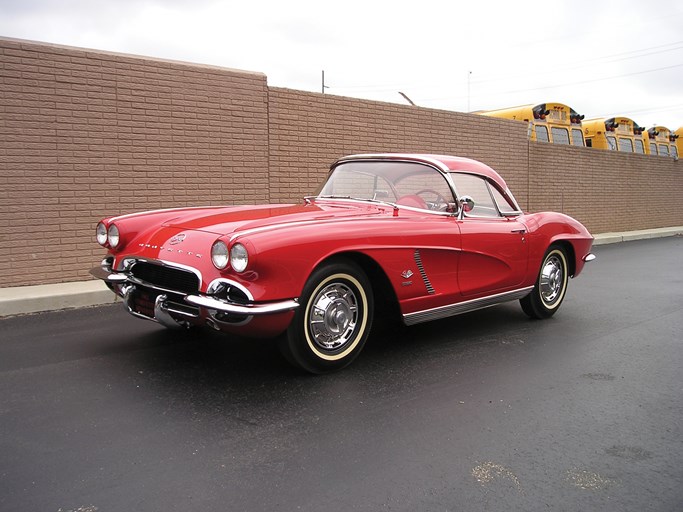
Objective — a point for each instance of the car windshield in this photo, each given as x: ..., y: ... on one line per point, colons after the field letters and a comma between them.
x: 402, y: 183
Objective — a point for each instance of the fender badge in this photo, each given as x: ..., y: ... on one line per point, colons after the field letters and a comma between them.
x: 407, y: 274
x: 177, y: 239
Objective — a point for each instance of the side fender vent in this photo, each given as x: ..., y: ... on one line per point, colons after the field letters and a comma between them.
x: 420, y: 267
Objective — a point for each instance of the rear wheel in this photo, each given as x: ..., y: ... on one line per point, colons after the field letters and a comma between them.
x: 550, y: 287
x: 333, y: 321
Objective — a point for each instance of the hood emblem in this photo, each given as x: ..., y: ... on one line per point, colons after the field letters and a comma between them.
x: 177, y: 239
x: 407, y: 274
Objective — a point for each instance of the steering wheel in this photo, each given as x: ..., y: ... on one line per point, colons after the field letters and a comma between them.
x: 439, y: 203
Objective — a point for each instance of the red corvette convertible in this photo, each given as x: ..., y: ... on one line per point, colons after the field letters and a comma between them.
x: 433, y: 235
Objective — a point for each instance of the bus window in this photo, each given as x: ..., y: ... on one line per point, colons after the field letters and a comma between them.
x: 663, y: 149
x: 625, y: 145
x: 560, y: 135
x: 674, y: 152
x: 639, y: 147
x: 577, y: 137
x: 653, y: 148
x: 541, y: 134
x: 612, y: 142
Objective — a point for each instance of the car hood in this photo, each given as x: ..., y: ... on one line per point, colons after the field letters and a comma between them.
x: 230, y: 220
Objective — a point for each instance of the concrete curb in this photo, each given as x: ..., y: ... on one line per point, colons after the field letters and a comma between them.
x: 50, y: 297
x: 628, y: 236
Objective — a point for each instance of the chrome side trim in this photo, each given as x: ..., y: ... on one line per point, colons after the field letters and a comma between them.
x: 242, y: 309
x: 464, y: 307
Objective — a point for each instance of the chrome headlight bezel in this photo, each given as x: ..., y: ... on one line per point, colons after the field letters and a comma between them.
x: 220, y: 256
x: 113, y: 236
x: 101, y: 234
x: 239, y: 258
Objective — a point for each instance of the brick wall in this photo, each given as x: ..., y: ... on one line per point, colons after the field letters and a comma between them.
x: 607, y: 191
x: 85, y: 134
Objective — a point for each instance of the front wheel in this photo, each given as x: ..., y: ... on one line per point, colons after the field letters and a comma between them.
x: 333, y: 321
x: 550, y: 286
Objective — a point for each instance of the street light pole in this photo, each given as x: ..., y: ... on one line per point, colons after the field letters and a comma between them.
x: 323, y: 83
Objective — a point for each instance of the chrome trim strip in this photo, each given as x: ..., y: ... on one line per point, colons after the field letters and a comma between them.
x: 589, y: 257
x: 464, y: 307
x: 242, y: 309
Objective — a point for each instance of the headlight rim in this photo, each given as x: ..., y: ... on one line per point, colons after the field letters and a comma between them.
x: 241, y: 267
x: 225, y: 255
x: 102, y: 237
x: 114, y: 240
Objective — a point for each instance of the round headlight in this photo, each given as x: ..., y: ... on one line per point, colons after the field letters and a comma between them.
x: 239, y: 258
x: 113, y: 235
x: 219, y: 254
x: 101, y: 233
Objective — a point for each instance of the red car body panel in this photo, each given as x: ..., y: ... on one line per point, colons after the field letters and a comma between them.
x: 431, y: 260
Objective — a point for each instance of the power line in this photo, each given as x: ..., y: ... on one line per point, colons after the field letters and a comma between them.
x: 565, y: 84
x: 677, y: 45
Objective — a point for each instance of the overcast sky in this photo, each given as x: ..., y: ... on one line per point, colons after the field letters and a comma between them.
x: 602, y: 58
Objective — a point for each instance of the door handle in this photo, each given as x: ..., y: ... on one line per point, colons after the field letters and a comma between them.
x: 520, y: 231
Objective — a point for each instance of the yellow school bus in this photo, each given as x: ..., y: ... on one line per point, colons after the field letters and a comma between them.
x: 615, y: 134
x: 679, y: 141
x: 662, y: 142
x: 550, y: 122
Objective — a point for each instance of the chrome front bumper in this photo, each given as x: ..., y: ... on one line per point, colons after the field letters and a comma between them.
x: 171, y: 314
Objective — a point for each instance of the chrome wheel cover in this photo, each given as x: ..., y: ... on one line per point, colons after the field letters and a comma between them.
x: 333, y: 316
x: 552, y: 279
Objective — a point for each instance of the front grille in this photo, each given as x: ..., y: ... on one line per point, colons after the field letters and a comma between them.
x: 166, y: 278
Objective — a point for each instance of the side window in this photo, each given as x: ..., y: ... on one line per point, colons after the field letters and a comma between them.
x: 653, y: 148
x: 674, y: 151
x: 504, y: 205
x: 612, y: 143
x: 639, y: 147
x: 478, y: 190
x: 541, y: 133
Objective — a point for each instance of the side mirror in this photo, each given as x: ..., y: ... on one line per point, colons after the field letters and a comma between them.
x: 466, y: 205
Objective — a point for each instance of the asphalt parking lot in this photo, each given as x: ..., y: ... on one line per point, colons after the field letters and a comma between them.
x: 100, y: 411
